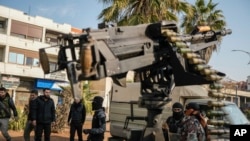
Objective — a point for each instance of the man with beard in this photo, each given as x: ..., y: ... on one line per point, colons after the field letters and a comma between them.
x: 29, y: 126
x: 43, y: 115
x: 6, y: 104
x: 76, y: 119
x: 96, y: 133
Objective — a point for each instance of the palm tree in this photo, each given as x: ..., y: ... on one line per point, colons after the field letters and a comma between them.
x: 67, y: 96
x: 133, y: 12
x: 87, y: 96
x: 204, y: 14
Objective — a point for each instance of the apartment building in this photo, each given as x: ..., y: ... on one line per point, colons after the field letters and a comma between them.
x: 21, y: 36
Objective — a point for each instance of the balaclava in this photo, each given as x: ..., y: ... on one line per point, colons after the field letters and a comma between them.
x: 97, y: 103
x: 178, y: 115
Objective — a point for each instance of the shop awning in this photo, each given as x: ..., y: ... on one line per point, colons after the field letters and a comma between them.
x: 44, y: 83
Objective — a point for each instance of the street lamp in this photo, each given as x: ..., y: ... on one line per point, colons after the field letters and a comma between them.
x: 244, y: 52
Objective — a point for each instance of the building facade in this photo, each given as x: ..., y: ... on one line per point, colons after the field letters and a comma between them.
x: 248, y: 83
x: 21, y: 36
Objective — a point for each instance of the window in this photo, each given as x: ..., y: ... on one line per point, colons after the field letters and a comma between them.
x: 51, y: 37
x: 32, y: 61
x: 23, y: 57
x: 16, y: 58
x: 235, y: 116
x: 3, y: 24
x: 28, y: 31
x: 52, y: 66
x: 1, y: 54
x: 12, y: 57
x: 29, y: 61
x: 20, y: 59
x: 35, y: 62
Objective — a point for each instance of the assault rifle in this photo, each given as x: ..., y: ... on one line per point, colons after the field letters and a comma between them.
x: 161, y: 57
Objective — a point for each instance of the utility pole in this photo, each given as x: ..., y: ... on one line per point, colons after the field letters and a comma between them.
x: 236, y: 95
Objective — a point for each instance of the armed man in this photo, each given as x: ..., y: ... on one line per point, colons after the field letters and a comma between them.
x: 6, y: 105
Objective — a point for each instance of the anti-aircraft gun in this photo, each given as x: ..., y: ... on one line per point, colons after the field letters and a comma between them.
x: 160, y: 56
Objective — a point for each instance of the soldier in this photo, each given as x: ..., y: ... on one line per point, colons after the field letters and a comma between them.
x: 191, y: 129
x: 29, y: 126
x: 96, y: 133
x: 6, y: 104
x: 76, y: 119
x: 43, y: 115
x: 173, y: 123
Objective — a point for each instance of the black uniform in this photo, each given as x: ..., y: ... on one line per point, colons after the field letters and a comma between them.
x: 76, y: 118
x: 174, y: 122
x: 98, y: 126
x: 96, y: 133
x: 43, y: 111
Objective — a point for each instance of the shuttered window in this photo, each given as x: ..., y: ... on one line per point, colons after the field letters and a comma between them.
x: 29, y: 31
x: 19, y: 27
x: 35, y: 31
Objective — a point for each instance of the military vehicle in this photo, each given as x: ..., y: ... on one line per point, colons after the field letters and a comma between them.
x: 128, y: 120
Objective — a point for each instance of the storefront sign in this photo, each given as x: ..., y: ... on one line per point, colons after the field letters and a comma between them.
x: 50, y: 84
x: 10, y: 82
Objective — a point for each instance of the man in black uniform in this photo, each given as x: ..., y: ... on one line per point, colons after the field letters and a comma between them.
x: 96, y: 133
x: 173, y: 123
x: 29, y: 126
x: 76, y: 119
x: 43, y: 115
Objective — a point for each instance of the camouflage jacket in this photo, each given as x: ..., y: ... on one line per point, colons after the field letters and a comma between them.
x: 191, y: 130
x: 7, y: 104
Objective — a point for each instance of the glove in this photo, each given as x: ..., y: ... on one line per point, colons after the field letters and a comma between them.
x: 16, y: 118
x: 86, y: 131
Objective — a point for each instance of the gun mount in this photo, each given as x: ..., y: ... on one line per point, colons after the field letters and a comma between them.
x: 161, y: 57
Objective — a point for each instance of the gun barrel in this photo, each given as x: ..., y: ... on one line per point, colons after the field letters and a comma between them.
x: 225, y: 32
x: 199, y: 36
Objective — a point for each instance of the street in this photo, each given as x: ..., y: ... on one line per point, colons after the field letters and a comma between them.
x: 64, y: 136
